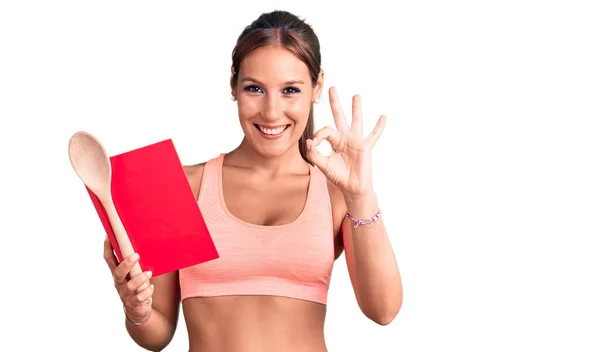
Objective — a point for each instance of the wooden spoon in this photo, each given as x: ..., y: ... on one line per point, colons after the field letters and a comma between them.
x: 92, y: 164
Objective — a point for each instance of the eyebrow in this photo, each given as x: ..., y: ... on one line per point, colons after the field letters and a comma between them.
x: 250, y: 79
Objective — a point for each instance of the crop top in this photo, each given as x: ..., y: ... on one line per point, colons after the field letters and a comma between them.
x: 292, y: 260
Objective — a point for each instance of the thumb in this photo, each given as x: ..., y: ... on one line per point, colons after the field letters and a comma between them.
x: 315, y: 156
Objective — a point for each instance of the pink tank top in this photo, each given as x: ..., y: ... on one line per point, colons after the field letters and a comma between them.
x: 292, y: 260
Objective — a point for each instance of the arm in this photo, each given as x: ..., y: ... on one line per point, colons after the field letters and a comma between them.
x: 157, y: 332
x: 151, y: 302
x: 371, y: 262
x: 370, y: 259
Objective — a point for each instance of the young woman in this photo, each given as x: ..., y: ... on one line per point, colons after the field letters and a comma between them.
x: 279, y: 213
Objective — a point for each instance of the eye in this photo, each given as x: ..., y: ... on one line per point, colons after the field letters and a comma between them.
x: 291, y: 90
x: 253, y: 89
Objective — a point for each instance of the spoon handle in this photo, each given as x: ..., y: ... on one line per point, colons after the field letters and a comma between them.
x: 121, y: 235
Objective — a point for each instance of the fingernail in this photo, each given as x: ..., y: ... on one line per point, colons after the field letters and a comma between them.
x: 152, y: 285
x: 135, y: 256
x: 149, y: 273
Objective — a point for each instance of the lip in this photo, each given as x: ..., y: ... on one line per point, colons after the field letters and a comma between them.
x: 272, y: 136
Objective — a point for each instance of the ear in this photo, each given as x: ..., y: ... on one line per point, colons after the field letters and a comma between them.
x: 319, y: 87
x: 231, y: 83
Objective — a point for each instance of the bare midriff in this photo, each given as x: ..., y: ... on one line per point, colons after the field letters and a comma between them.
x: 254, y: 324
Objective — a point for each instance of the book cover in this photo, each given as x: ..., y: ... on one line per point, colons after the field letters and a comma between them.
x: 158, y: 209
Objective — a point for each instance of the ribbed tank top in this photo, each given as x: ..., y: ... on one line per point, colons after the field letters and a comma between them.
x: 291, y: 260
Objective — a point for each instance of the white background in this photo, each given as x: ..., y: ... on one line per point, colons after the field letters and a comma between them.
x: 487, y: 171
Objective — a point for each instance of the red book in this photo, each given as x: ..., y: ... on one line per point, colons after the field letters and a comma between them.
x: 158, y: 209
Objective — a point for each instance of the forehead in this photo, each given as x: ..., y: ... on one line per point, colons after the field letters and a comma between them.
x: 273, y: 64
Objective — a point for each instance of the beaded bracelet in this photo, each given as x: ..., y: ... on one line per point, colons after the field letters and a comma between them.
x: 136, y: 323
x: 370, y: 221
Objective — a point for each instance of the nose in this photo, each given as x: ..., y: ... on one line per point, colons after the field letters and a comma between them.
x: 272, y: 109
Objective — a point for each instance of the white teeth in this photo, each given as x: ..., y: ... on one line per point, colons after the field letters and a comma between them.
x: 272, y: 131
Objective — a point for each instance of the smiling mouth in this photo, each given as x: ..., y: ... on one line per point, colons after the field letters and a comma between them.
x: 271, y: 131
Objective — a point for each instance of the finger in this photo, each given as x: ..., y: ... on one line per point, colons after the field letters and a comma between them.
x: 142, y: 299
x: 136, y: 304
x: 109, y: 256
x: 336, y: 109
x: 120, y: 273
x: 357, y: 118
x: 139, y: 282
x: 325, y: 133
x: 318, y: 159
x: 377, y: 131
x: 145, y: 296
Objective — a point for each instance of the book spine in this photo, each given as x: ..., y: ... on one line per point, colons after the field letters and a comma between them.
x: 105, y: 223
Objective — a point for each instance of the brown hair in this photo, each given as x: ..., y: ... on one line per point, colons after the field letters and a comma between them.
x: 286, y: 30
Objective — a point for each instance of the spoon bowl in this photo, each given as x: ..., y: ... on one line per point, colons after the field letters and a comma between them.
x: 90, y: 161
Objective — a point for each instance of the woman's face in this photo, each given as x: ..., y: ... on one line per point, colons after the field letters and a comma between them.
x: 274, y: 93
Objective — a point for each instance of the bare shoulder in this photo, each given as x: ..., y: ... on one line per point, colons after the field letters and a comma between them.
x: 194, y: 175
x: 338, y: 207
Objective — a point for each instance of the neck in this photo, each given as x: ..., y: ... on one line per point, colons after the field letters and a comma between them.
x: 246, y: 156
